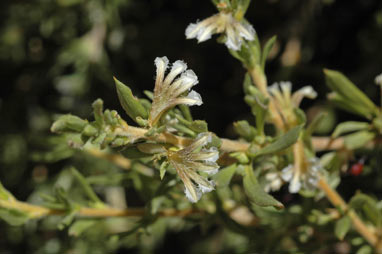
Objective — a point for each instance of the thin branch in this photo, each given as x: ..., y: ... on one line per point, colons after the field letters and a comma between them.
x: 338, y: 202
x: 36, y: 211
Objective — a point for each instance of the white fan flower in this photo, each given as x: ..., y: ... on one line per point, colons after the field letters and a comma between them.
x: 169, y: 90
x: 307, y: 180
x: 193, y: 159
x: 236, y: 31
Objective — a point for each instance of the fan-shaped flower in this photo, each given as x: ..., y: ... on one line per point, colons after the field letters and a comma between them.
x: 193, y: 159
x: 236, y: 31
x: 285, y: 101
x: 307, y: 179
x: 169, y: 91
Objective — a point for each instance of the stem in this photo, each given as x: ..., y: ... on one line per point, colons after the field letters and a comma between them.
x: 36, y: 211
x: 260, y: 81
x: 117, y: 159
x: 359, y: 225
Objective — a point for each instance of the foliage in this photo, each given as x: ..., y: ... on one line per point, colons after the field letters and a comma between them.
x: 133, y: 178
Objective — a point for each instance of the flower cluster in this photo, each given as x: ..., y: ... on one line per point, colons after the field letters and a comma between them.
x: 235, y: 31
x: 193, y: 159
x: 170, y: 91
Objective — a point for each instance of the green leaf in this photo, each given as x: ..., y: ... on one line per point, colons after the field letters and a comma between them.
x: 348, y: 105
x: 281, y: 142
x: 86, y: 186
x: 366, y: 249
x: 255, y: 192
x: 349, y: 127
x: 5, y: 194
x: 80, y: 226
x: 267, y: 48
x: 358, y: 139
x: 245, y: 130
x: 224, y: 176
x: 368, y: 206
x: 241, y: 157
x: 342, y: 227
x: 130, y: 104
x: 68, y: 123
x: 13, y: 217
x: 98, y: 112
x: 162, y: 170
x: 315, y: 123
x: 350, y: 92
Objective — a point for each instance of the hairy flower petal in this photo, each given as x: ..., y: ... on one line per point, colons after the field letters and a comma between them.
x: 236, y: 31
x: 192, y: 159
x: 169, y: 90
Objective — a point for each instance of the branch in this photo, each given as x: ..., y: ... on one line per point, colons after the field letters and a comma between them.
x: 359, y: 225
x: 36, y: 211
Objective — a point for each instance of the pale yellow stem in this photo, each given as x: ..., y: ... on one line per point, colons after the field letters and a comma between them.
x: 261, y: 82
x: 359, y: 225
x: 36, y: 211
x: 117, y: 159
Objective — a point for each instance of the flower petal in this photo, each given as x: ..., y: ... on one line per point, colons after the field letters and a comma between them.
x: 177, y: 68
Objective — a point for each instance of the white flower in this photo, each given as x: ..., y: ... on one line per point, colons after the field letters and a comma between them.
x: 307, y: 180
x: 284, y: 96
x: 191, y: 159
x: 285, y: 101
x: 274, y: 182
x: 169, y: 91
x: 236, y: 31
x: 378, y: 79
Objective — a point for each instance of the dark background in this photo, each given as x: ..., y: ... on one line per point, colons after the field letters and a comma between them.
x: 43, y: 71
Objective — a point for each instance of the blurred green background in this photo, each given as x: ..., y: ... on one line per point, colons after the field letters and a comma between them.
x: 58, y: 56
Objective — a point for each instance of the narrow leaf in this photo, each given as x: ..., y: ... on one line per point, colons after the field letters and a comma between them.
x: 342, y: 227
x: 224, y: 176
x: 282, y: 142
x: 130, y: 104
x: 13, y: 217
x: 349, y: 127
x: 80, y: 226
x: 255, y: 192
x: 344, y: 87
x: 85, y: 186
x: 267, y: 48
x: 358, y: 139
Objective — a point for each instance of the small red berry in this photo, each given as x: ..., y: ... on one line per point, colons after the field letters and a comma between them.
x: 356, y: 169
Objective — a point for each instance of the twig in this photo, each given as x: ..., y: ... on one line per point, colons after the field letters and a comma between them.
x: 36, y: 211
x: 337, y: 201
